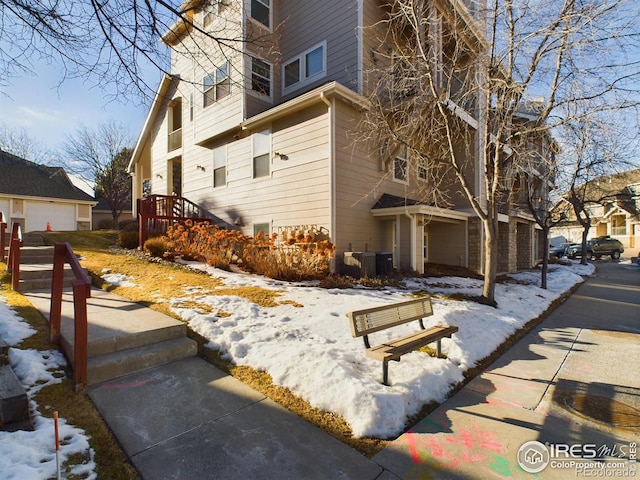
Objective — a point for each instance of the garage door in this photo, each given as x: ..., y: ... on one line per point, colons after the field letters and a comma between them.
x: 4, y: 207
x: 61, y: 217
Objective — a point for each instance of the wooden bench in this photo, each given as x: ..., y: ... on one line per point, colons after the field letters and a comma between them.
x: 369, y: 320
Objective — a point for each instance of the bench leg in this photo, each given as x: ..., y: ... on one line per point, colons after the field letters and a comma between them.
x: 385, y: 373
x: 438, y: 349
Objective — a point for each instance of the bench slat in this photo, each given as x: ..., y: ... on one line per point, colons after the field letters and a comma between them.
x: 395, y: 349
x: 369, y: 320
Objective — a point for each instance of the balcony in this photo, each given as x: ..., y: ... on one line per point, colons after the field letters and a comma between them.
x: 175, y: 140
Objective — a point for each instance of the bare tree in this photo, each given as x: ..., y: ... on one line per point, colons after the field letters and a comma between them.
x: 20, y: 143
x: 449, y: 82
x: 100, y: 157
x: 112, y: 42
x: 594, y: 149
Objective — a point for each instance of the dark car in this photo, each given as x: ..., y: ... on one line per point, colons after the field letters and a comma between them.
x: 597, y: 248
x: 558, y: 251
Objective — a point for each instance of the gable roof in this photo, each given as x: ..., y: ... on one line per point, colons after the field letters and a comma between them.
x: 24, y: 178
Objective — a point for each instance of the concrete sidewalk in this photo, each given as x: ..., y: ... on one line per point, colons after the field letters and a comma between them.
x: 572, y: 380
x: 188, y: 420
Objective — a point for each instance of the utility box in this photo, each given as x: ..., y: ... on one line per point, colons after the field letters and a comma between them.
x: 360, y: 264
x: 384, y: 263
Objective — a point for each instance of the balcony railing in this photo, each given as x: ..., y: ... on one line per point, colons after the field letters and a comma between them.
x: 175, y: 140
x: 156, y: 213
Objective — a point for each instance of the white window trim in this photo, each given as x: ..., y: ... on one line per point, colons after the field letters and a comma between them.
x: 226, y: 167
x: 253, y: 155
x: 422, y: 163
x: 216, y: 83
x: 249, y: 76
x: 255, y: 224
x: 400, y: 156
x: 302, y: 59
x: 257, y: 22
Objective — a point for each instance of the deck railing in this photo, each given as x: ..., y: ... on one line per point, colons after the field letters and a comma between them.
x: 13, y: 263
x: 3, y: 231
x: 81, y: 291
x: 156, y: 213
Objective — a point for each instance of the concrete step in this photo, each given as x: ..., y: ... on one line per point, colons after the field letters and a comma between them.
x: 107, y: 344
x: 125, y: 362
x: 36, y: 255
x: 14, y: 402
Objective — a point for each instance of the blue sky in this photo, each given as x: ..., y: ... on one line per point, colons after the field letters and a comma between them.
x: 49, y: 111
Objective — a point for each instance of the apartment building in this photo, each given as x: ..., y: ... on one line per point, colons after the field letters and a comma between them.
x: 258, y: 129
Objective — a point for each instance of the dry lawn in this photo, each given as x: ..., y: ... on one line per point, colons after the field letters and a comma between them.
x: 159, y: 281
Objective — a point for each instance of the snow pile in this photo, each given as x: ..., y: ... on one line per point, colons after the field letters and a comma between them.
x: 116, y: 279
x: 13, y: 329
x: 310, y: 349
x: 24, y: 454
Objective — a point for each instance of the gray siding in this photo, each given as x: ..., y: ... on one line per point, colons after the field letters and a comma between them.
x: 307, y: 23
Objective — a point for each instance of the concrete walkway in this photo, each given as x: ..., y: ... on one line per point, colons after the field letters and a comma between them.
x: 581, y: 362
x: 189, y: 420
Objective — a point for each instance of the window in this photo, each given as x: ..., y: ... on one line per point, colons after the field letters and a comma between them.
x: 400, y: 167
x: 422, y: 169
x: 217, y: 85
x: 220, y: 166
x: 261, y: 11
x: 260, y: 76
x: 308, y: 66
x: 404, y: 77
x: 261, y: 153
x: 261, y: 227
x: 214, y: 7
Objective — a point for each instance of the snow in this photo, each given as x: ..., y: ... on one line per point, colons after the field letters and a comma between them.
x: 309, y: 349
x: 117, y: 279
x: 27, y: 455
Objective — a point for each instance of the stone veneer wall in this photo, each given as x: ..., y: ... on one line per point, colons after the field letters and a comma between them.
x: 475, y: 239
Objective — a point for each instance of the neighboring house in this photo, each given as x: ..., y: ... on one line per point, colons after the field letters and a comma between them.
x: 613, y: 203
x: 102, y: 217
x: 37, y: 196
x: 262, y: 140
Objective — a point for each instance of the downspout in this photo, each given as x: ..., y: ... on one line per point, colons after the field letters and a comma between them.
x: 413, y: 239
x: 332, y: 174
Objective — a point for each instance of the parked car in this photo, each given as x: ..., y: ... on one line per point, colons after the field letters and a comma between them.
x: 598, y: 247
x: 558, y: 251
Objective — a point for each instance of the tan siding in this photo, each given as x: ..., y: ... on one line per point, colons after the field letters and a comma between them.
x: 297, y: 191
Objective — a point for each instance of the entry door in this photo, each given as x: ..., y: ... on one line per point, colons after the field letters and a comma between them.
x: 425, y: 245
x: 175, y: 182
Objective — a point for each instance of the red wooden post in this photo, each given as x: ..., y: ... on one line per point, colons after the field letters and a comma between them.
x: 3, y: 231
x: 57, y: 284
x: 14, y: 255
x: 80, y: 352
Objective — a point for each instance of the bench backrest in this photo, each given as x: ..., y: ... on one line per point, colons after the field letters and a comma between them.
x: 369, y: 320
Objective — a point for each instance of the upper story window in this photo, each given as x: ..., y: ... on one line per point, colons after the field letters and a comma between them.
x: 261, y: 11
x: 260, y: 76
x: 217, y: 85
x: 261, y: 153
x: 422, y: 169
x: 401, y: 167
x: 213, y: 8
x: 220, y: 166
x: 306, y: 67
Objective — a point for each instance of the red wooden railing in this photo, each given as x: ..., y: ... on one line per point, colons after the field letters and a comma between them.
x: 156, y: 213
x: 81, y: 291
x: 3, y: 231
x: 13, y: 263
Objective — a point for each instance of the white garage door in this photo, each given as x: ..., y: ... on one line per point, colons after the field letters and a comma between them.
x: 61, y: 217
x: 4, y: 207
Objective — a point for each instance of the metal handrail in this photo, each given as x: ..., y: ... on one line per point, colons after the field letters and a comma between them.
x: 3, y: 230
x: 13, y: 263
x: 62, y: 254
